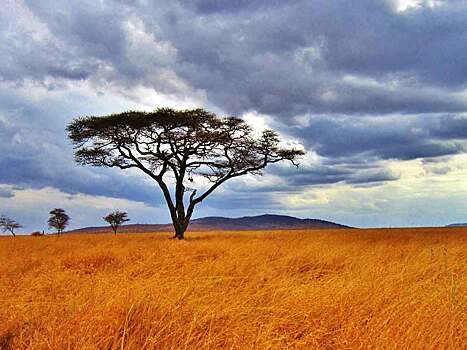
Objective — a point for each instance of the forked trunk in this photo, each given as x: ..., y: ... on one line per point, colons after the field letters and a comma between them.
x: 179, y: 231
x: 180, y: 218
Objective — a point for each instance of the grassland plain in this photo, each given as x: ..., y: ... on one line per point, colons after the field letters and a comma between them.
x: 325, y: 289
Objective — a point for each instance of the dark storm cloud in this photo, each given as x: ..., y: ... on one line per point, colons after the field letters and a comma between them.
x: 450, y: 127
x: 296, y: 57
x: 35, y: 154
x: 31, y: 52
x: 351, y: 66
x: 381, y: 175
x: 30, y: 172
x: 318, y: 175
x: 323, y: 174
x: 425, y: 43
x: 281, y: 58
x: 232, y: 7
x: 369, y: 37
x: 94, y: 28
x: 402, y: 137
x: 236, y: 201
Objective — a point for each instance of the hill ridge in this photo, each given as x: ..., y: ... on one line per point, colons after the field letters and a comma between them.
x: 211, y: 223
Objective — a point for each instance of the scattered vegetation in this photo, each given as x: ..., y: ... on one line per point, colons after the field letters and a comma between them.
x: 316, y: 289
x: 116, y: 219
x: 36, y: 234
x: 58, y: 220
x: 9, y: 225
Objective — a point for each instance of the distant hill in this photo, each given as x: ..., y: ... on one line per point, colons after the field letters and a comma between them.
x: 262, y: 222
x: 216, y: 223
x: 457, y: 225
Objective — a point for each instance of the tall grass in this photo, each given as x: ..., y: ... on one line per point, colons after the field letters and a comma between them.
x: 326, y: 289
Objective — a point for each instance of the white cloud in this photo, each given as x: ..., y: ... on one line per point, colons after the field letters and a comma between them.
x: 31, y: 207
x: 406, y: 5
x: 418, y: 198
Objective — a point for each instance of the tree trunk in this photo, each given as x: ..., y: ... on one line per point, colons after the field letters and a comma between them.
x: 179, y: 231
x: 180, y: 235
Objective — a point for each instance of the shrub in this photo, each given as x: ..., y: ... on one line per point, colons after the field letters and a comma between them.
x: 36, y: 233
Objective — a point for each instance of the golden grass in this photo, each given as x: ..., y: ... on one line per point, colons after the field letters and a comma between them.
x: 326, y: 289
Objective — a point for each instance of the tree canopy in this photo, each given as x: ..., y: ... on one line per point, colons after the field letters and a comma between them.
x: 58, y: 219
x: 186, y: 144
x: 116, y: 219
x: 8, y: 224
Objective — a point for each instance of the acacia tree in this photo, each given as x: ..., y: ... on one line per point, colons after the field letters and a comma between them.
x: 58, y: 219
x: 116, y: 219
x: 9, y: 225
x: 176, y: 148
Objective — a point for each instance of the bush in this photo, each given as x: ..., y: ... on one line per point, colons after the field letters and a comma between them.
x: 36, y: 233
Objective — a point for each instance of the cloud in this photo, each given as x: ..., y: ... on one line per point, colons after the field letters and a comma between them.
x: 6, y: 193
x: 365, y: 86
x: 394, y: 137
x: 289, y: 58
x: 381, y: 175
x: 36, y: 154
x: 450, y: 127
x: 274, y: 57
x: 31, y: 208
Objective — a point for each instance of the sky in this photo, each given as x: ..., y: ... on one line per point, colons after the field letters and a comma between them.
x: 374, y: 91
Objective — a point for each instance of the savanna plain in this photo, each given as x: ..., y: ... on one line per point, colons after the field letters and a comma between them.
x: 323, y: 289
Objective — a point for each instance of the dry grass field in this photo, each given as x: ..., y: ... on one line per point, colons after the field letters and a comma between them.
x: 324, y: 289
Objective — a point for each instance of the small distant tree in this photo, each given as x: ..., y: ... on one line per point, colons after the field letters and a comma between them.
x: 58, y: 220
x: 10, y: 225
x: 116, y: 219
